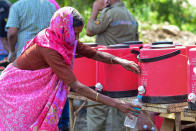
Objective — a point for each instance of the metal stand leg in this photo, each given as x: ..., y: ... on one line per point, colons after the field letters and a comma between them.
x: 178, y: 121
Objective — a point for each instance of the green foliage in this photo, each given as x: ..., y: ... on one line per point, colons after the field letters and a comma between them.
x: 175, y: 12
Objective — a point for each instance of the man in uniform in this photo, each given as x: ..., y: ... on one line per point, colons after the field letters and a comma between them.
x: 114, y: 25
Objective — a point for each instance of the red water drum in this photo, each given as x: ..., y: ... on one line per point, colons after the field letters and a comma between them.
x: 188, y: 47
x: 85, y: 68
x: 117, y: 82
x: 163, y: 74
x: 192, y: 79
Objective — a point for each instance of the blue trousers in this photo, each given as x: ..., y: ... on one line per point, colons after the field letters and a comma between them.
x: 64, y: 120
x: 2, y: 57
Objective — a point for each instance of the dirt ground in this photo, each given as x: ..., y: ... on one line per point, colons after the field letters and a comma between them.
x: 167, y: 33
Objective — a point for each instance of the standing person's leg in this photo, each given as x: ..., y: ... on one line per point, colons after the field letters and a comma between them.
x: 117, y: 120
x: 5, y: 43
x: 3, y: 40
x: 64, y: 120
x: 96, y: 117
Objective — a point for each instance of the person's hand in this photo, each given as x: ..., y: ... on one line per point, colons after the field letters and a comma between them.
x: 99, y: 5
x: 11, y: 56
x: 129, y: 109
x: 130, y: 65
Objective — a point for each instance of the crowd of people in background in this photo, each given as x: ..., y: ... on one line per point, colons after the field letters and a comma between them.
x: 27, y: 18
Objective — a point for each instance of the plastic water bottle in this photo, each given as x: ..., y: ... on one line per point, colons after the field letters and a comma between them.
x: 131, y: 123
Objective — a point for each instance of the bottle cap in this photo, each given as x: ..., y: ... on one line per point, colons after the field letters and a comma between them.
x: 141, y: 90
x: 192, y: 97
x: 98, y: 87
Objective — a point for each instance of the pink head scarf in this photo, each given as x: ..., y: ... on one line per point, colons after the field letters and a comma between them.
x: 55, y: 4
x: 59, y: 35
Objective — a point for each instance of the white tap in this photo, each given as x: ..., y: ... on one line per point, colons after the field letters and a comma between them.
x: 98, y: 87
x: 192, y: 97
x: 141, y: 90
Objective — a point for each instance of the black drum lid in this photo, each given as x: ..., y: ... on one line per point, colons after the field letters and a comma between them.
x: 133, y: 42
x: 91, y: 44
x: 117, y: 46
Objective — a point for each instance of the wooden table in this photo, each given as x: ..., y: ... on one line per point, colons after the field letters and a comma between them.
x: 168, y: 124
x: 176, y: 108
x: 189, y: 113
x: 74, y: 112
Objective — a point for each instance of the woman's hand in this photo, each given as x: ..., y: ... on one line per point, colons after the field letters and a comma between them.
x: 128, y: 65
x: 129, y: 109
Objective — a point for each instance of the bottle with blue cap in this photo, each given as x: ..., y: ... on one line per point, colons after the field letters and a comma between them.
x: 131, y: 123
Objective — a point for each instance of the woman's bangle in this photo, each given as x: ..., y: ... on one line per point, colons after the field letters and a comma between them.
x: 97, y: 96
x: 111, y: 59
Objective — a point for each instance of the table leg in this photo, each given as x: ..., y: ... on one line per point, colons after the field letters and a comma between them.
x: 178, y: 121
x: 71, y: 114
x: 127, y: 129
x: 168, y: 125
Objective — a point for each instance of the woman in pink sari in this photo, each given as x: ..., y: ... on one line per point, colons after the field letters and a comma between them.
x: 35, y: 87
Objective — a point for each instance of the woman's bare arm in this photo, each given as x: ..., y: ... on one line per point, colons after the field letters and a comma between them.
x: 111, y: 59
x: 91, y: 94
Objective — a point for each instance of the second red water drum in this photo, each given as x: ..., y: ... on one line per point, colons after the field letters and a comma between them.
x: 116, y: 81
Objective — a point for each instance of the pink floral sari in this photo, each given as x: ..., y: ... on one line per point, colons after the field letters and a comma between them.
x: 34, y: 100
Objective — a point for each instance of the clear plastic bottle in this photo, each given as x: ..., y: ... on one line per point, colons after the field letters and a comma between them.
x: 131, y: 123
